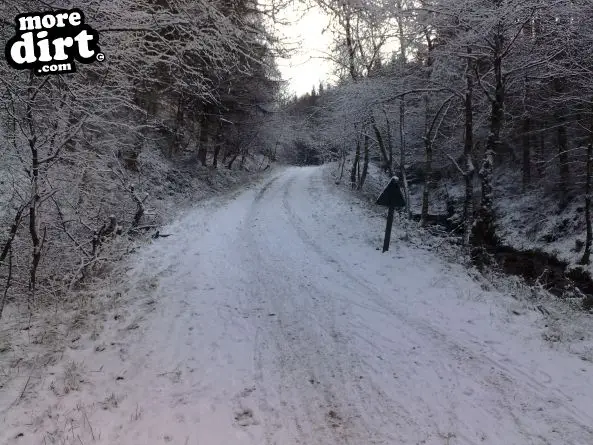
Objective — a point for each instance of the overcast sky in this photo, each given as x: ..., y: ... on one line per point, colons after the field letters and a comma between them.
x: 305, y: 68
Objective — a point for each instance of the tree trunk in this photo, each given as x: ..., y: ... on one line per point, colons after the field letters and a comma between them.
x: 235, y: 156
x: 563, y: 161
x: 387, y: 166
x: 365, y: 165
x: 216, y: 153
x: 359, y: 171
x: 541, y: 152
x: 389, y: 144
x: 355, y: 164
x: 402, y: 156
x: 526, y: 152
x: 428, y: 140
x: 562, y: 142
x: 204, y: 136
x: 4, y: 296
x: 173, y: 148
x: 34, y: 198
x: 342, y: 166
x: 484, y: 232
x: 427, y: 165
x: 349, y: 43
x: 427, y: 182
x: 12, y: 233
x: 586, y: 259
x: 468, y: 148
x: 403, y: 46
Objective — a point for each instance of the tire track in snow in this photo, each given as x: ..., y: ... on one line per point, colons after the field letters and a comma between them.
x: 380, y: 405
x: 388, y: 406
x: 326, y: 351
x: 375, y: 401
x: 505, y: 377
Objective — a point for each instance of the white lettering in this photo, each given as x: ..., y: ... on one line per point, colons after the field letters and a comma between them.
x: 60, y: 19
x: 60, y: 45
x: 75, y: 19
x: 43, y: 45
x: 30, y: 23
x: 28, y: 46
x: 38, y: 46
x: 83, y: 40
x: 48, y: 21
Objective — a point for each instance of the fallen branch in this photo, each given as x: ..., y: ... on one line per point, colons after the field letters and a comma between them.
x: 160, y: 235
x: 25, y: 387
x: 139, y: 228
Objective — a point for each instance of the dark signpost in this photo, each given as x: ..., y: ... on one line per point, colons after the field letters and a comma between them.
x: 391, y: 197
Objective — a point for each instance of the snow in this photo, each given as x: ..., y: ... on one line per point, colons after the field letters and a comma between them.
x: 270, y: 317
x: 532, y: 221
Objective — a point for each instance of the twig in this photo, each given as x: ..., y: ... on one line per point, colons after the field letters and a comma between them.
x: 456, y: 164
x: 89, y: 424
x: 13, y: 229
x: 22, y: 392
x: 140, y: 228
x: 537, y: 281
x: 84, y: 265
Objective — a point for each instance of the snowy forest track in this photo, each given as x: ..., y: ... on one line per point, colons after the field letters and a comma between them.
x: 279, y: 323
x: 519, y: 392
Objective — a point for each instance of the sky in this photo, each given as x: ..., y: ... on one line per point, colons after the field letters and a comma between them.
x: 306, y: 67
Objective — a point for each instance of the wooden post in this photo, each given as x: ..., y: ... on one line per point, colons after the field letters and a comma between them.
x: 388, y: 229
x: 392, y: 198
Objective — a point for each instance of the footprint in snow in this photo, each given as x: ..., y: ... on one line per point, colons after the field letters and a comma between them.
x: 245, y: 418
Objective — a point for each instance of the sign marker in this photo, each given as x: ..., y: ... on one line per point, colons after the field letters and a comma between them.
x: 393, y: 198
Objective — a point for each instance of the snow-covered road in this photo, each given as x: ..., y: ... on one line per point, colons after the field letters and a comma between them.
x: 277, y: 322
